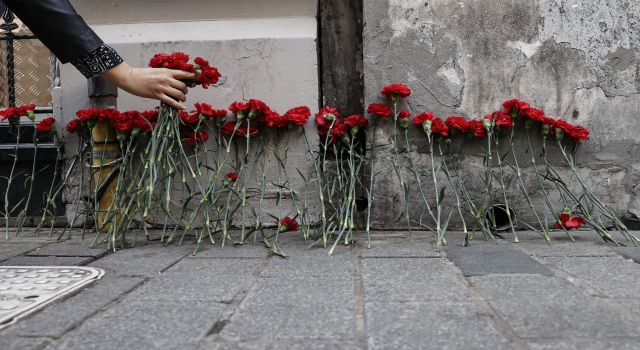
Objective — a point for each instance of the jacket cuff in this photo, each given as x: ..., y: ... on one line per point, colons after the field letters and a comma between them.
x: 98, y: 61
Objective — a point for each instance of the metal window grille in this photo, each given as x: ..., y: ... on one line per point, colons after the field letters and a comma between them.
x: 25, y: 67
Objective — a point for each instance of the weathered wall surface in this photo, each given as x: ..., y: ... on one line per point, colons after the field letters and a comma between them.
x: 577, y: 60
x: 271, y: 59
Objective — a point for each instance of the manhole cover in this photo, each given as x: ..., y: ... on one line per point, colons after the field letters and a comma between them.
x: 25, y: 289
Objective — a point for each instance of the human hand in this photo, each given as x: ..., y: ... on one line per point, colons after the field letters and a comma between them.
x: 158, y: 83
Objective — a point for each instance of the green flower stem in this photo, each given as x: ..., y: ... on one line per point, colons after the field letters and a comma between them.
x: 455, y: 192
x: 518, y: 171
x: 405, y: 193
x: 7, y: 212
x: 504, y: 192
x: 419, y: 182
x: 434, y: 176
x: 22, y: 216
x: 544, y: 191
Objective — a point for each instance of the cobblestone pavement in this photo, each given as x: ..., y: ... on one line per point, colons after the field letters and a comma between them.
x: 396, y: 295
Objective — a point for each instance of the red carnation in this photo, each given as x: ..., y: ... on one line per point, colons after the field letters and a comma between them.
x: 438, y: 127
x: 193, y: 137
x: 423, y: 117
x: 12, y: 114
x: 458, y: 123
x: 219, y: 113
x: 206, y: 74
x: 404, y: 114
x: 514, y: 106
x: 548, y: 121
x: 45, y: 124
x: 355, y: 122
x: 563, y: 125
x: 503, y: 120
x: 240, y: 109
x: 478, y: 129
x: 205, y: 109
x: 379, y: 110
x: 228, y: 128
x: 337, y: 132
x: 74, y: 126
x: 397, y: 90
x: 579, y: 133
x: 151, y: 115
x: 252, y: 132
x: 121, y: 122
x: 324, y: 118
x: 189, y: 119
x: 176, y: 60
x: 258, y: 108
x: 570, y: 222
x: 274, y: 120
x: 231, y: 178
x: 298, y: 115
x: 533, y: 113
x: 288, y: 224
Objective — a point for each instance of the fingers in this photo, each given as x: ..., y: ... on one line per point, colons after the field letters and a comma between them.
x: 171, y: 102
x: 178, y: 74
x: 178, y: 85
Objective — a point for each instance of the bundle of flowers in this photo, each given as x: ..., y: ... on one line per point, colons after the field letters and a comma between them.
x: 206, y: 170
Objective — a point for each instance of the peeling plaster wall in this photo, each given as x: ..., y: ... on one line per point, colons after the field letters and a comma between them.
x: 578, y: 60
x: 272, y: 59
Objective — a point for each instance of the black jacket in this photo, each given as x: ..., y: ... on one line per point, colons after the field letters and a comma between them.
x: 58, y: 26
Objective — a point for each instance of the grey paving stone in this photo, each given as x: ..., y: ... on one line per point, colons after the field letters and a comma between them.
x: 398, y: 249
x: 632, y: 305
x: 25, y: 260
x: 613, y: 276
x: 563, y: 249
x: 144, y: 325
x: 17, y: 343
x: 294, y: 308
x: 551, y: 307
x: 144, y: 259
x: 431, y: 326
x: 479, y: 260
x: 314, y: 262
x: 632, y: 253
x: 70, y: 249
x: 217, y: 280
x: 59, y: 318
x: 230, y: 250
x: 410, y: 279
x: 324, y: 344
x: 587, y: 345
x: 10, y: 250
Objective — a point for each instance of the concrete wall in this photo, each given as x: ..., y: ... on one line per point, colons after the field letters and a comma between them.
x: 264, y: 50
x: 577, y: 60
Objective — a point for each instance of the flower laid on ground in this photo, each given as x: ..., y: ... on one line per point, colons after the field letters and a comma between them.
x: 195, y: 137
x: 47, y: 125
x: 458, y: 124
x: 569, y: 222
x: 396, y: 91
x: 287, y: 224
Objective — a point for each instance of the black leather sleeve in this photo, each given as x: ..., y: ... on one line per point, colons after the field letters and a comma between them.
x: 58, y: 26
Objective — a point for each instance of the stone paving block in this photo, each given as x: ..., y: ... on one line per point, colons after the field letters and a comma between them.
x: 10, y: 250
x: 298, y: 308
x: 217, y: 280
x: 479, y: 260
x: 632, y: 253
x: 410, y: 279
x: 551, y: 307
x: 59, y: 318
x: 563, y: 249
x: 431, y: 326
x: 145, y: 325
x: 613, y: 276
x: 143, y: 259
x: 231, y: 250
x: 71, y: 249
x: 25, y: 260
x: 17, y: 343
x: 314, y: 262
x: 632, y: 305
x: 587, y: 345
x: 398, y: 249
x: 325, y: 344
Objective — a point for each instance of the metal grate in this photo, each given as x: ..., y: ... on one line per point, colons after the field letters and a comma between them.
x: 24, y: 289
